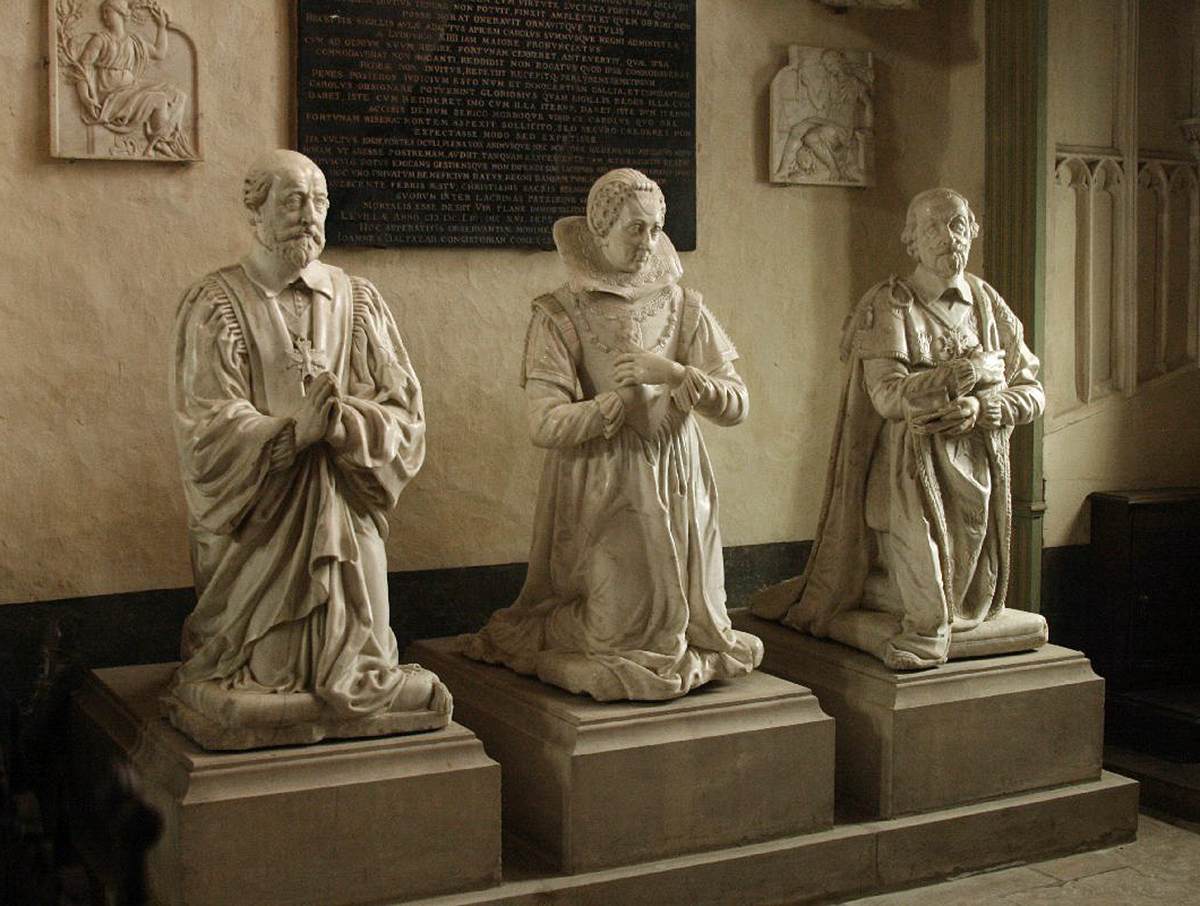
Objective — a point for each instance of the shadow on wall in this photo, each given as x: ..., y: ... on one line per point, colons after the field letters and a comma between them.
x: 877, y: 213
x: 876, y: 216
x: 913, y: 141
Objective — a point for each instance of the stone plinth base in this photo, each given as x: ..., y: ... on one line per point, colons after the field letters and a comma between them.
x: 1169, y: 786
x: 191, y: 710
x: 372, y: 820
x: 847, y: 861
x: 590, y: 784
x: 1009, y: 632
x: 962, y: 732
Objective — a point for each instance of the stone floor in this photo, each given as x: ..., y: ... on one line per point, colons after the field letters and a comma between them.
x: 1161, y: 866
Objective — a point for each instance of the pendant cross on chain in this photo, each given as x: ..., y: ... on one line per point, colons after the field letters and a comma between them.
x: 308, y: 361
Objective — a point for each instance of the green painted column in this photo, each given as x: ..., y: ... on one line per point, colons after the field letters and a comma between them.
x: 1014, y: 240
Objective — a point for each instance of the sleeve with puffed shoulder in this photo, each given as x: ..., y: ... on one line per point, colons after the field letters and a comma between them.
x: 710, y: 385
x: 557, y: 418
x: 232, y: 455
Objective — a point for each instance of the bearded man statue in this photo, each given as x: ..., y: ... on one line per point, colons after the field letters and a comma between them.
x: 298, y: 420
x: 911, y: 559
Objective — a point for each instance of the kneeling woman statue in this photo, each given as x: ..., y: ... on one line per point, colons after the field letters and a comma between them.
x: 625, y: 596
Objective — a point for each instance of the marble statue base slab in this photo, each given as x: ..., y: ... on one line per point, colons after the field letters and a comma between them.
x: 590, y: 784
x: 850, y: 860
x: 1011, y: 632
x: 962, y: 732
x: 226, y: 735
x: 363, y: 821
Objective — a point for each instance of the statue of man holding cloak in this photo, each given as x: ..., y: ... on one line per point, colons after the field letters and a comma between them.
x: 911, y: 559
x: 298, y: 420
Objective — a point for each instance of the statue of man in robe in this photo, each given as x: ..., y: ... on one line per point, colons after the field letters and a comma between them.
x: 911, y: 559
x: 299, y: 421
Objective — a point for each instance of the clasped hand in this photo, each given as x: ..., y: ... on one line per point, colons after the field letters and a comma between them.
x: 319, y: 416
x: 957, y: 417
x: 989, y: 365
x: 634, y: 368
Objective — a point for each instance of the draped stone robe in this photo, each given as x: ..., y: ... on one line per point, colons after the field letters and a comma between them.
x: 625, y: 596
x: 915, y: 526
x: 288, y: 547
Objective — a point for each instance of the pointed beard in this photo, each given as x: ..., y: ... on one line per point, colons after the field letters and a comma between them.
x: 299, y: 251
x: 949, y: 264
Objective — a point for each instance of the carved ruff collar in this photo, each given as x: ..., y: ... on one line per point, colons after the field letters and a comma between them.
x: 588, y: 271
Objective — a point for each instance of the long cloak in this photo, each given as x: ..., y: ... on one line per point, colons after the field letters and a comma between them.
x: 287, y: 548
x: 941, y: 554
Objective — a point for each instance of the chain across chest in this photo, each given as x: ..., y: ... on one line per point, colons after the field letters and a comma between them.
x: 623, y: 325
x: 938, y: 341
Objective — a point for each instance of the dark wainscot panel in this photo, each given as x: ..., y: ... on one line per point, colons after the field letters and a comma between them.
x: 144, y: 627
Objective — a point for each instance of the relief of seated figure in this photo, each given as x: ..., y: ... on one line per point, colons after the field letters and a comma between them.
x: 625, y: 595
x: 911, y: 559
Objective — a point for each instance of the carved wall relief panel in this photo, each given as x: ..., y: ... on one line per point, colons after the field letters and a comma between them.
x: 1168, y: 266
x: 1126, y: 331
x: 1179, y: 340
x: 822, y: 118
x: 1063, y: 273
x: 1097, y: 185
x: 1151, y: 267
x: 1123, y: 262
x: 122, y: 82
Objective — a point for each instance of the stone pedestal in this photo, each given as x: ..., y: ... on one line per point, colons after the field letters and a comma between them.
x: 345, y: 822
x: 963, y: 732
x: 590, y: 784
x: 850, y: 860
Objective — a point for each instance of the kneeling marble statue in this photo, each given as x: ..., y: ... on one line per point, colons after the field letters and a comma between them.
x: 298, y: 420
x: 911, y: 559
x: 625, y: 595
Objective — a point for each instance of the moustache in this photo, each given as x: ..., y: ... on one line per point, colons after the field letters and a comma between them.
x: 302, y: 233
x: 951, y: 248
x: 299, y: 248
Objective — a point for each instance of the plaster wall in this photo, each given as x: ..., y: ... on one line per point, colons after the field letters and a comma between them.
x: 1150, y: 438
x: 97, y: 255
